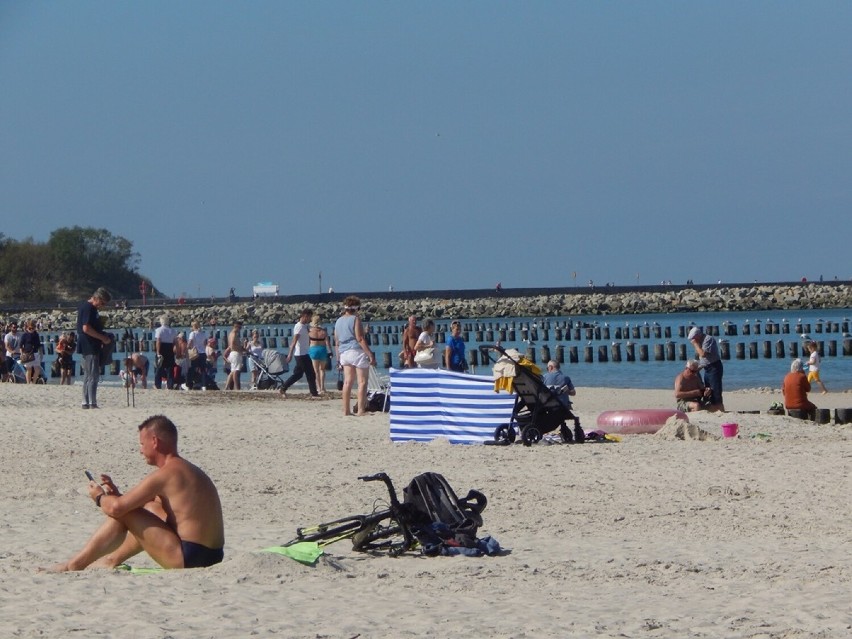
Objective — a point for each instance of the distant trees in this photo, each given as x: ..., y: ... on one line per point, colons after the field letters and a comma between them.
x: 72, y: 263
x: 24, y: 270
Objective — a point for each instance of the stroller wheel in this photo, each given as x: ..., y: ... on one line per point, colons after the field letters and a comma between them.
x: 530, y: 436
x: 565, y: 433
x: 505, y: 434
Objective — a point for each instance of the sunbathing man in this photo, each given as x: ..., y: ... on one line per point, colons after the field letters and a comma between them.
x: 174, y: 514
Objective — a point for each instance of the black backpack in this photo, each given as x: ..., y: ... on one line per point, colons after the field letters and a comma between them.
x: 378, y: 402
x: 439, y: 516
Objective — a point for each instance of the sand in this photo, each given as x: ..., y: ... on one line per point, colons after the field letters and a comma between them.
x: 653, y: 536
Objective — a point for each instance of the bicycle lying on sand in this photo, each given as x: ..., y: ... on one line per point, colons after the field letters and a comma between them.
x: 393, y: 526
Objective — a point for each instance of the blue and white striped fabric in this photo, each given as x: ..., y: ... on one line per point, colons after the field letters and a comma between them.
x: 427, y: 403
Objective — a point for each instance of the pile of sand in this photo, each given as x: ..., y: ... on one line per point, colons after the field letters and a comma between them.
x: 676, y: 428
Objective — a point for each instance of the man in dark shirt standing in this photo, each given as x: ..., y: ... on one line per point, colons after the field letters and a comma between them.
x: 90, y: 340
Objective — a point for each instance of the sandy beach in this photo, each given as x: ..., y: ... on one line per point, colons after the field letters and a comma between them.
x: 652, y: 536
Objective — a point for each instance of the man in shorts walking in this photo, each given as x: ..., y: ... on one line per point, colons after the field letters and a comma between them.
x: 235, y: 357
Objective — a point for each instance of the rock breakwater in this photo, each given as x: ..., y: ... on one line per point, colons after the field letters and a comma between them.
x: 480, y: 304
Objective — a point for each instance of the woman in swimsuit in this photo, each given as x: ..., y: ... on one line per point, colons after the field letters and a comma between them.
x: 319, y: 350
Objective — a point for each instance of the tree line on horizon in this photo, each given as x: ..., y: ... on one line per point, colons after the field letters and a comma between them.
x: 70, y: 265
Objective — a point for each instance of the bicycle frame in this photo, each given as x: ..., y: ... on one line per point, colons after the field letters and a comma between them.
x: 366, y: 531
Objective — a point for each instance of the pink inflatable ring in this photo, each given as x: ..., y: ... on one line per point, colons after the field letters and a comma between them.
x: 637, y: 421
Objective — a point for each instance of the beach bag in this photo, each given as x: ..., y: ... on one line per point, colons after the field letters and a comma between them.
x: 27, y: 355
x: 426, y: 356
x: 193, y: 353
x: 431, y: 500
x: 378, y: 402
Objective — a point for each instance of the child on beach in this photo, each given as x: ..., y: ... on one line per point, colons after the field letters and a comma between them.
x: 813, y: 366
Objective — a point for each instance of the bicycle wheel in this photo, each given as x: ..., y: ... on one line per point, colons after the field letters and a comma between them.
x: 387, y: 534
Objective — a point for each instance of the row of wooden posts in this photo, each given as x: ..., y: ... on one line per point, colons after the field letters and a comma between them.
x: 530, y: 333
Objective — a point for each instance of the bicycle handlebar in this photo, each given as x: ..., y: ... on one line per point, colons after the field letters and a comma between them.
x: 376, y: 477
x: 383, y: 477
x: 479, y: 501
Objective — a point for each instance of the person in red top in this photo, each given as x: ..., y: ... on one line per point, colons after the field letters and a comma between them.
x: 796, y: 388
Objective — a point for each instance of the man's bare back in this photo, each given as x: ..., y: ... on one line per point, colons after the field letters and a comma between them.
x: 188, y: 498
x: 410, y: 335
x: 234, y: 341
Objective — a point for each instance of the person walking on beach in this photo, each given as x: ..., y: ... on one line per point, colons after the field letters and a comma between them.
x: 299, y: 348
x: 235, y: 357
x: 64, y: 354
x: 707, y: 350
x: 814, y: 366
x: 320, y: 350
x: 91, y: 338
x: 164, y: 345
x: 174, y: 514
x: 254, y: 350
x: 12, y: 341
x: 197, y: 341
x: 31, y: 351
x: 409, y: 342
x: 353, y: 355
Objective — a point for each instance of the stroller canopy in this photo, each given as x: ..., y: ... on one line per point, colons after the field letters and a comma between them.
x: 273, y: 361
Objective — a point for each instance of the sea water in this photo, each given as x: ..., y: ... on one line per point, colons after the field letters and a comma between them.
x: 836, y: 372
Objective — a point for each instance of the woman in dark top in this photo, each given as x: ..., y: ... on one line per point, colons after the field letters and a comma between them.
x: 31, y: 352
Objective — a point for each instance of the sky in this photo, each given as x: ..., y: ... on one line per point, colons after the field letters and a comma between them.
x: 433, y: 145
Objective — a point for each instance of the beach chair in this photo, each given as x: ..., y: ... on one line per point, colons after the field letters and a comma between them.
x: 378, y: 392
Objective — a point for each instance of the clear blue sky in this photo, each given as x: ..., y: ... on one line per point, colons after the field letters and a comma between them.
x: 434, y: 144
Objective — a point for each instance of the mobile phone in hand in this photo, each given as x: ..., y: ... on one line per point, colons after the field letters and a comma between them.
x: 91, y: 477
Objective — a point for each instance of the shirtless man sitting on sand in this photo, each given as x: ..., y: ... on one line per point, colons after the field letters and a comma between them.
x: 690, y: 392
x: 174, y: 514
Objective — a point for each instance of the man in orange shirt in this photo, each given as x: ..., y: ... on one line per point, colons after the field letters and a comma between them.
x: 795, y: 389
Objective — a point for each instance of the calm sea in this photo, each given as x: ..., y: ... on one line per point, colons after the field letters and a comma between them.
x: 749, y: 372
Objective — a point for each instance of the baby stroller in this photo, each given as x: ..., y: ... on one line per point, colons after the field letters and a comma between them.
x: 18, y: 372
x: 538, y: 409
x: 271, y: 365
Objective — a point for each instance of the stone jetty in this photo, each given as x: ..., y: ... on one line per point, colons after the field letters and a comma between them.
x: 445, y: 305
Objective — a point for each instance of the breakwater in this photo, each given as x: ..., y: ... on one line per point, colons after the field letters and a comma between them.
x: 563, y: 302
